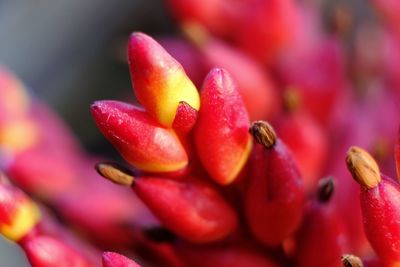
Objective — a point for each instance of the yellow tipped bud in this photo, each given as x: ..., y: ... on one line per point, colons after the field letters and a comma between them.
x: 25, y: 218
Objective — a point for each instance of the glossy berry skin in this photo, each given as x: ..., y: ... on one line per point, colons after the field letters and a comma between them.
x: 112, y: 259
x: 221, y: 133
x: 140, y: 140
x: 159, y: 81
x: 275, y: 197
x: 381, y: 219
x: 191, y: 209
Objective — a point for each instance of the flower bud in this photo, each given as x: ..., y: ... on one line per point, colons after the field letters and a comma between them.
x: 159, y: 81
x: 140, y: 140
x: 221, y: 133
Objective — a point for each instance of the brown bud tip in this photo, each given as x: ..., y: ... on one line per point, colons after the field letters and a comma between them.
x: 263, y: 133
x: 326, y: 187
x: 115, y: 173
x: 363, y: 167
x: 349, y: 260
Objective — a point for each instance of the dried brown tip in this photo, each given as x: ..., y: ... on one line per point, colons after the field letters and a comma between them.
x: 263, y: 133
x: 326, y: 188
x: 363, y: 167
x: 349, y: 260
x: 115, y: 173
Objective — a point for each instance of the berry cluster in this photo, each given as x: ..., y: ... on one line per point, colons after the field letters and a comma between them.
x: 214, y: 184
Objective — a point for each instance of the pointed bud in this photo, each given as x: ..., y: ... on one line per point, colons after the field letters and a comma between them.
x: 381, y: 215
x: 275, y: 186
x: 221, y: 133
x: 322, y: 222
x: 191, y: 209
x: 185, y: 118
x: 379, y: 200
x: 112, y: 259
x: 140, y: 140
x: 159, y: 81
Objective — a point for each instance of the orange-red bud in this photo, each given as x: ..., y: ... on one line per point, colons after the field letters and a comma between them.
x: 221, y: 133
x: 139, y: 139
x: 159, y: 81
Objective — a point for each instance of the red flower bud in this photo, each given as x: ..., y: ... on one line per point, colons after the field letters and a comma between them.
x: 221, y: 133
x: 191, y: 209
x: 274, y: 200
x: 379, y: 198
x: 159, y: 81
x: 139, y: 139
x: 185, y: 118
x: 323, y: 229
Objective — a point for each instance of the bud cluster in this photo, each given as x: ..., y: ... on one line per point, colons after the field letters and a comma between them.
x: 240, y: 151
